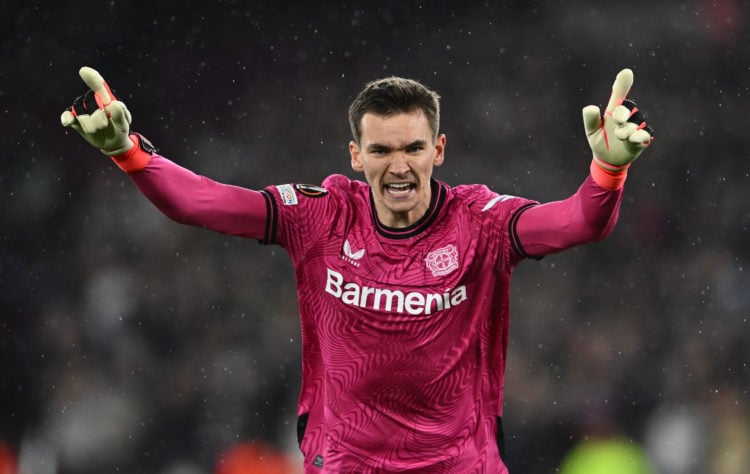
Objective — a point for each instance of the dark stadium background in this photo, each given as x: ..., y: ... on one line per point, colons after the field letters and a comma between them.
x: 131, y: 344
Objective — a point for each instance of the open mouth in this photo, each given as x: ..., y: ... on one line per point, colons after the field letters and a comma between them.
x: 399, y: 189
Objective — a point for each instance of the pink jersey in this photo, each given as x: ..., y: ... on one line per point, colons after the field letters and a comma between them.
x: 404, y: 330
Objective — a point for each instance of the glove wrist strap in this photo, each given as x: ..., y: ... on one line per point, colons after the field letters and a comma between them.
x: 610, y: 177
x: 137, y: 157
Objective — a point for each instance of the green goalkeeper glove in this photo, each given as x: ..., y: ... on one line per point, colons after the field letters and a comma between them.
x: 621, y: 134
x: 618, y: 136
x: 99, y: 117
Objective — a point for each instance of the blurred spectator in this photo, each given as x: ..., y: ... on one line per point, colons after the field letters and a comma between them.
x: 606, y: 456
x: 8, y: 459
x: 254, y: 457
x: 676, y: 440
x: 729, y: 444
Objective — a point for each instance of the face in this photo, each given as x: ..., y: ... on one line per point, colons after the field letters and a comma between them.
x: 397, y: 155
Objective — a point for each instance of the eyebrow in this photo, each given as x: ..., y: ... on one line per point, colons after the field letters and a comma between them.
x: 388, y: 148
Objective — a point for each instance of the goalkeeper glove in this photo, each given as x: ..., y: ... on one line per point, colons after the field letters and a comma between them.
x: 618, y: 136
x: 99, y: 117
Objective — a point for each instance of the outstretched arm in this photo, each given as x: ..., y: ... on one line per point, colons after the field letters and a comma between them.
x: 587, y: 216
x: 616, y: 139
x: 192, y: 199
x: 104, y: 122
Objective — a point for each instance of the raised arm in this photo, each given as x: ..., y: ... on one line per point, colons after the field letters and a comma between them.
x: 616, y: 139
x: 587, y: 216
x: 182, y: 195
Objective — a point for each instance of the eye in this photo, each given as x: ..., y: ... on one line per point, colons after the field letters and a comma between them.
x: 414, y: 149
x: 379, y: 151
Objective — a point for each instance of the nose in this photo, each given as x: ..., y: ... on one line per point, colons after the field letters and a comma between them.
x: 399, y: 164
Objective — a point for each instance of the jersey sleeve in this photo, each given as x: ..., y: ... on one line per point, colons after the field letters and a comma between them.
x: 587, y: 216
x: 192, y: 199
x: 498, y: 215
x: 300, y: 214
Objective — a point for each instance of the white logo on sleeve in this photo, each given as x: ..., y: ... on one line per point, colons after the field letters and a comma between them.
x: 443, y: 260
x: 288, y: 196
x: 495, y: 200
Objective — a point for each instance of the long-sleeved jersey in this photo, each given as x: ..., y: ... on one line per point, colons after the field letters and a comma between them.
x: 404, y: 331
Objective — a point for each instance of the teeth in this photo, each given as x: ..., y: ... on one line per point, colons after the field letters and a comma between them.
x: 399, y: 188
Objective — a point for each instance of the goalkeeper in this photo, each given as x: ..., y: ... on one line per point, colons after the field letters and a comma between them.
x: 403, y: 281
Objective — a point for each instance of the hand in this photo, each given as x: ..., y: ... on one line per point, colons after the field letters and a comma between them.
x: 99, y: 117
x: 621, y: 134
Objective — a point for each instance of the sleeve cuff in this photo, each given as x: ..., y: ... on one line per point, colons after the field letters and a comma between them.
x: 610, y: 178
x: 135, y: 159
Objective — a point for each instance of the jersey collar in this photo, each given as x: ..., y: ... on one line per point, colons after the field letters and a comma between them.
x: 436, y: 203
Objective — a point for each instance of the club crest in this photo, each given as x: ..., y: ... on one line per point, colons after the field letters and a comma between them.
x: 443, y: 260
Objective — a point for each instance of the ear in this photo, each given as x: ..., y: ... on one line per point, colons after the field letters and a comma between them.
x: 354, y: 153
x: 439, y: 150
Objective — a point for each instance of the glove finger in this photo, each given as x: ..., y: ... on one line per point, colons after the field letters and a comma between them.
x: 84, y: 121
x: 640, y: 137
x: 100, y: 119
x: 92, y: 123
x: 637, y: 117
x: 96, y: 83
x: 621, y: 114
x: 620, y: 88
x: 120, y: 115
x: 77, y: 127
x: 592, y: 119
x: 67, y: 119
x: 624, y: 131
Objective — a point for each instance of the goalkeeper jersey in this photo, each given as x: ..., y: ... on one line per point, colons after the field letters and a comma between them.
x: 404, y: 331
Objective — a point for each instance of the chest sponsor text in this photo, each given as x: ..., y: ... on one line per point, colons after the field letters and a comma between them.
x: 392, y: 300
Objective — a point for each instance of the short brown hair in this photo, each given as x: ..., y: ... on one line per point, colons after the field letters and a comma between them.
x: 393, y: 95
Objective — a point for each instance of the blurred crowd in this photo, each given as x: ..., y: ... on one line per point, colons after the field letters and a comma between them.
x: 131, y: 344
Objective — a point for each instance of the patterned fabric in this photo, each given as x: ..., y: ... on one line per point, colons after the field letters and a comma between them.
x: 404, y: 330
